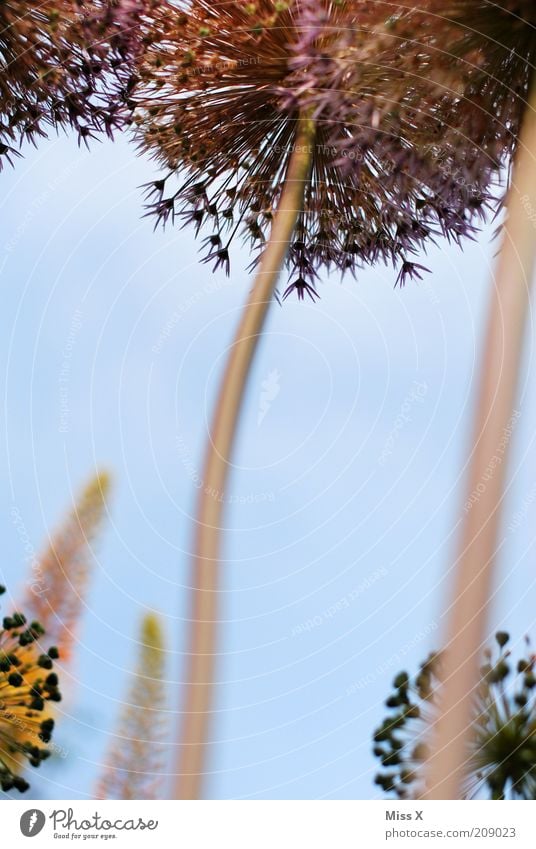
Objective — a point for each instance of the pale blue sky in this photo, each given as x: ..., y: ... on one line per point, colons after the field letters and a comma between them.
x: 351, y: 484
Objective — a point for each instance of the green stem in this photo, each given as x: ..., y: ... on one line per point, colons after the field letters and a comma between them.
x: 200, y: 674
x: 474, y: 570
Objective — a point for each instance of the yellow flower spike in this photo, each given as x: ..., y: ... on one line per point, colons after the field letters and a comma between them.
x: 134, y: 762
x: 62, y: 574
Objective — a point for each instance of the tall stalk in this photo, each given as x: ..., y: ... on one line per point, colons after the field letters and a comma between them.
x: 200, y: 673
x: 479, y: 542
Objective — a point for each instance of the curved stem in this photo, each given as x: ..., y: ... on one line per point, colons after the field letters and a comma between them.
x: 495, y: 419
x: 199, y: 683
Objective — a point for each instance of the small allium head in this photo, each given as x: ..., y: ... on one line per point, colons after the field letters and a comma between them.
x: 28, y: 686
x: 413, y: 122
x: 66, y: 64
x: 502, y: 756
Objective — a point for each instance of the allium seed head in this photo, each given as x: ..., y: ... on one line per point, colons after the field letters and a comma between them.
x: 501, y: 758
x: 66, y: 64
x: 417, y: 107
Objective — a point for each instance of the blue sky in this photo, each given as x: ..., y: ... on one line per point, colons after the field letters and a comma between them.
x: 346, y: 491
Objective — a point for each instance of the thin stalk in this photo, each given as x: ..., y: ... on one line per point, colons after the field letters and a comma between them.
x: 200, y: 673
x: 467, y: 624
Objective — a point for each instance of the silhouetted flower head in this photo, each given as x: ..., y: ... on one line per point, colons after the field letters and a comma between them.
x: 416, y: 110
x: 66, y: 64
x: 27, y: 687
x: 502, y: 754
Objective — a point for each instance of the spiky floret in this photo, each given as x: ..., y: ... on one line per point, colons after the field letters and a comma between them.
x: 66, y: 64
x: 28, y: 685
x: 416, y: 106
x: 502, y: 755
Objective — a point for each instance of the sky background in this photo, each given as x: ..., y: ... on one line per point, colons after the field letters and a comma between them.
x: 345, y: 496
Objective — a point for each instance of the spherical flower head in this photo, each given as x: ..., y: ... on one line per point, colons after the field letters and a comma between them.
x: 413, y: 122
x: 28, y: 687
x: 502, y: 752
x: 66, y: 64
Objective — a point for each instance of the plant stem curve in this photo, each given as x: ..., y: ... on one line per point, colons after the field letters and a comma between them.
x: 205, y: 566
x: 474, y: 570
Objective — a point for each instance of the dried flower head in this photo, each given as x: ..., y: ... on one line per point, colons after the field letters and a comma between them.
x: 416, y: 108
x: 502, y: 756
x: 66, y: 64
x: 27, y: 687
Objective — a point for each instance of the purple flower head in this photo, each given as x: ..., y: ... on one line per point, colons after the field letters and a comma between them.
x: 67, y: 64
x: 416, y: 109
